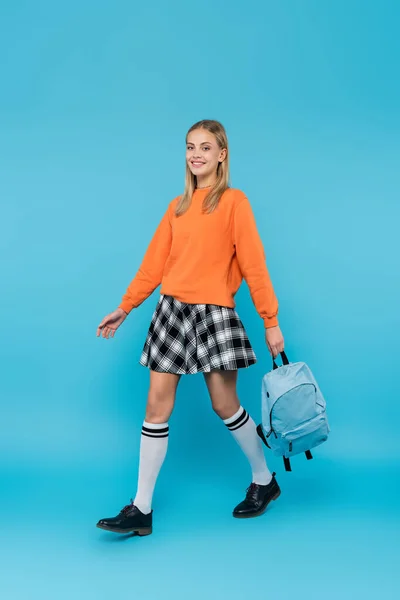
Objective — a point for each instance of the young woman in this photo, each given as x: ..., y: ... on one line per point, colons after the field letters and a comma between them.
x: 206, y: 242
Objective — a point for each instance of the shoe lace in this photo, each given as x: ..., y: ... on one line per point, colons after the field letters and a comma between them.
x: 127, y: 508
x: 251, y: 491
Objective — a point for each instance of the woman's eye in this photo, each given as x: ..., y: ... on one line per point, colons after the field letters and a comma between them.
x: 190, y: 148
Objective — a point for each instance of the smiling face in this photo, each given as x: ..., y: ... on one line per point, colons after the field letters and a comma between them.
x: 203, y: 155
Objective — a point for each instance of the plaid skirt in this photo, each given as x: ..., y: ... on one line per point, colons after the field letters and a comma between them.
x: 191, y: 338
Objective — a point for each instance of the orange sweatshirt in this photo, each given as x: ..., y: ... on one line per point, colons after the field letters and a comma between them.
x: 202, y: 258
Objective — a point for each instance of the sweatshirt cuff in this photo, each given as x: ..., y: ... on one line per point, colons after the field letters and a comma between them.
x: 126, y: 306
x: 270, y: 322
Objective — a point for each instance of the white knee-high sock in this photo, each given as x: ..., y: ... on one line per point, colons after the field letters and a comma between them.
x: 153, y: 448
x: 244, y: 431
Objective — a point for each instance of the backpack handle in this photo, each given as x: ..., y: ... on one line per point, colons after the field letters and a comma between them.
x: 284, y: 360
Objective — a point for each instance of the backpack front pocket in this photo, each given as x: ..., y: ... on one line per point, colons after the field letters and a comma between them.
x: 306, y: 436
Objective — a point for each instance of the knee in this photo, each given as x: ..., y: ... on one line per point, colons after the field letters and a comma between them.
x: 159, y: 406
x: 225, y: 408
x: 218, y: 408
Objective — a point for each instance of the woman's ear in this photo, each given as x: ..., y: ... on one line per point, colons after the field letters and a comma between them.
x: 222, y: 155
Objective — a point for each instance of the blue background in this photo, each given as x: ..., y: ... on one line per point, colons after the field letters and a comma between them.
x: 96, y: 98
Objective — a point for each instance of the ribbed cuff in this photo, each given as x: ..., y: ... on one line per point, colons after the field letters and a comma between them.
x: 271, y: 322
x: 126, y: 306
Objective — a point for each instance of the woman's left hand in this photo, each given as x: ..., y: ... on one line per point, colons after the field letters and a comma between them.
x: 275, y: 341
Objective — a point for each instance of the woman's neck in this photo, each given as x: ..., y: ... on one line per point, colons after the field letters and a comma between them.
x: 205, y: 183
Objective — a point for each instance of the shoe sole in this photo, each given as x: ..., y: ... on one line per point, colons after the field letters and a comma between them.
x: 258, y: 513
x: 139, y: 531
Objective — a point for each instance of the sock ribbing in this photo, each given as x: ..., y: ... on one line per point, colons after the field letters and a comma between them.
x: 155, y: 429
x: 237, y: 420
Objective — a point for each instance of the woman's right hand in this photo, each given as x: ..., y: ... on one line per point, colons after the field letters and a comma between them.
x: 111, y: 322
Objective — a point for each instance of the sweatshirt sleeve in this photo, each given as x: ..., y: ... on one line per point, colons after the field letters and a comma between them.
x: 252, y: 262
x: 150, y: 273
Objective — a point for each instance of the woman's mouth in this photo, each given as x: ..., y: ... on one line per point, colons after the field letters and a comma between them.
x: 197, y: 164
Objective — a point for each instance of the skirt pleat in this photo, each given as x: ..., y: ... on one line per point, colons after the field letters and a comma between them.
x: 192, y: 338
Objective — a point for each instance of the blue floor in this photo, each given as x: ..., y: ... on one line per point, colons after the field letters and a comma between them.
x: 333, y: 533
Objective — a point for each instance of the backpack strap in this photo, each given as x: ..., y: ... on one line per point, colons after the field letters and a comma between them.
x: 308, y: 454
x: 286, y: 462
x: 285, y: 360
x: 262, y: 436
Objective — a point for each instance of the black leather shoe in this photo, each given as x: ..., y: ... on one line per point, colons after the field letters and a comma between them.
x: 257, y: 499
x: 130, y: 519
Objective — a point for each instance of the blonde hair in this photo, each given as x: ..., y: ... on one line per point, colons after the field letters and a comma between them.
x: 210, y: 202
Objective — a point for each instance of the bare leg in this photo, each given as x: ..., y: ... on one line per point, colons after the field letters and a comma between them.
x: 221, y: 387
x: 161, y: 396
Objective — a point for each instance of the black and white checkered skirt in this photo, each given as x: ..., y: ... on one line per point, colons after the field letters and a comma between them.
x: 191, y: 338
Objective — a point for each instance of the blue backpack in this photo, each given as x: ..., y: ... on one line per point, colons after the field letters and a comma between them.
x: 293, y: 411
